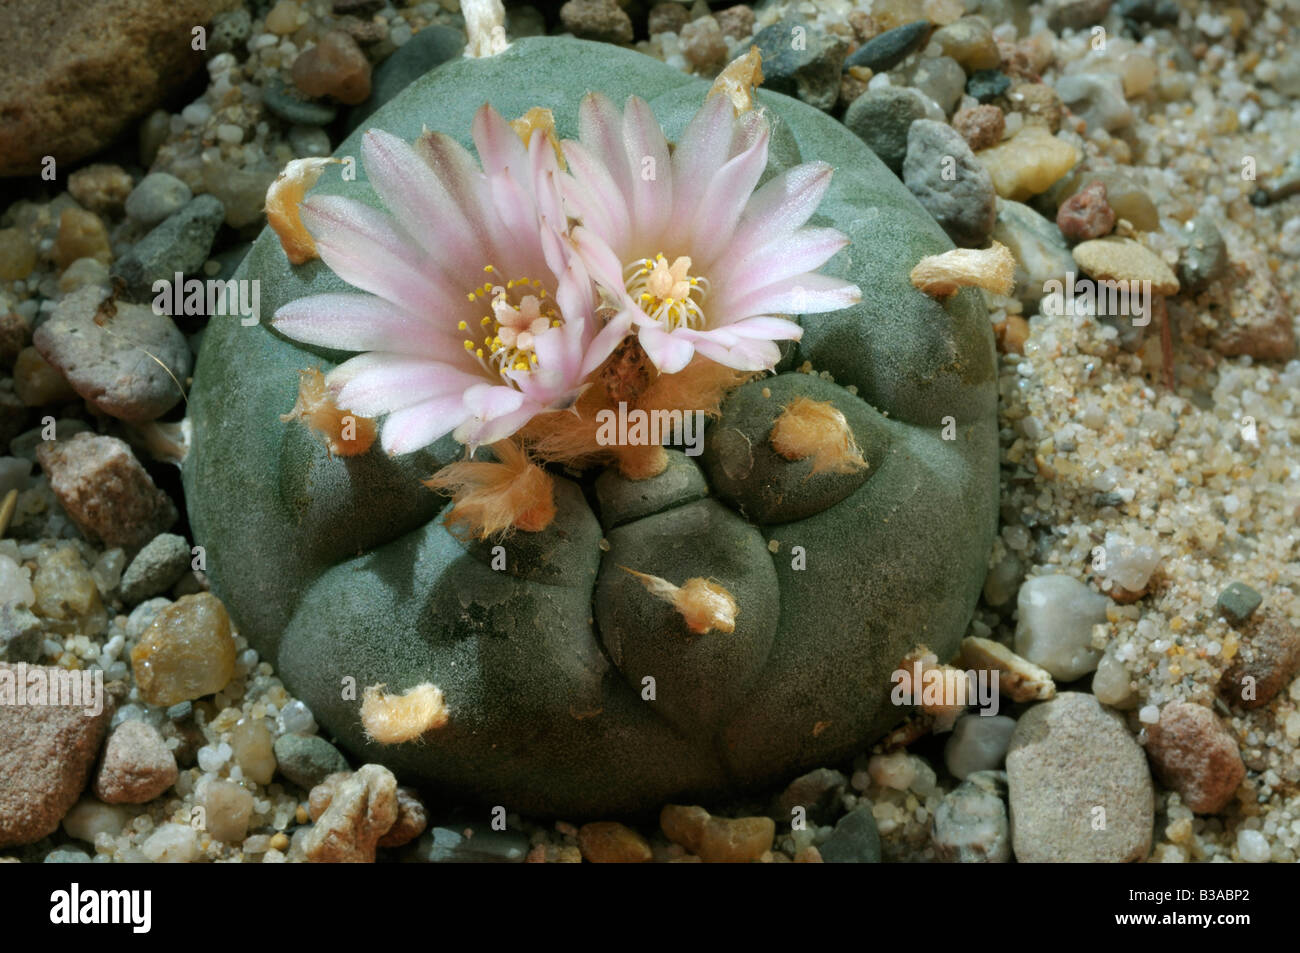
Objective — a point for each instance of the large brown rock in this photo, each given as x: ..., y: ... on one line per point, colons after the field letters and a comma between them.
x: 73, y: 73
x: 46, y: 751
x: 105, y: 490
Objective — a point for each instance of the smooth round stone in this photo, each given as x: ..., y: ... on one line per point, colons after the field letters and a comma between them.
x: 888, y: 49
x: 1111, y: 683
x: 970, y: 824
x: 307, y: 760
x: 1054, y: 629
x: 158, y: 195
x: 286, y: 102
x: 1080, y: 789
x: 187, y: 652
x: 978, y: 743
x: 155, y: 568
x: 881, y: 119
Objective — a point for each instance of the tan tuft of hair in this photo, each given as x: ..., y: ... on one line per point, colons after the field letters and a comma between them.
x: 992, y: 269
x: 570, y: 437
x: 704, y: 605
x: 282, y: 200
x: 391, y: 719
x: 815, y: 428
x: 345, y: 434
x: 495, y: 498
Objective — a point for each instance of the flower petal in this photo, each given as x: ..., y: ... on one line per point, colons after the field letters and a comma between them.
x: 652, y: 174
x: 377, y: 382
x: 668, y: 352
x: 366, y: 249
x: 714, y: 221
x: 354, y: 322
x: 415, y: 427
x: 809, y: 293
x: 703, y: 148
x: 781, y: 205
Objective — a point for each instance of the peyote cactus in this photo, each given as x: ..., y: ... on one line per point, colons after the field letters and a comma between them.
x: 342, y: 569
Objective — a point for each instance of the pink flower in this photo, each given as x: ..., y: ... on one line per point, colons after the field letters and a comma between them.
x: 479, y: 314
x: 696, y: 259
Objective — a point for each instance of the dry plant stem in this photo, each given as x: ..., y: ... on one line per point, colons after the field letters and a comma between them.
x: 489, y: 499
x: 7, y: 509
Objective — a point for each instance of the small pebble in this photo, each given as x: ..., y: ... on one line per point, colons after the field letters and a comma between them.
x: 187, y: 652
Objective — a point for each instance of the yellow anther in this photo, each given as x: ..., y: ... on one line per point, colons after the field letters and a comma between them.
x: 462, y: 326
x: 469, y: 345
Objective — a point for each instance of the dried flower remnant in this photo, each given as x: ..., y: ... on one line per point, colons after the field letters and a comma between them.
x: 479, y: 313
x: 704, y: 605
x: 992, y: 269
x: 391, y: 719
x: 344, y: 433
x: 696, y: 259
x: 739, y: 79
x: 490, y: 499
x: 282, y: 201
x: 816, y: 429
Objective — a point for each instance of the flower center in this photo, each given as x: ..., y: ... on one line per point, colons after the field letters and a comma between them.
x: 668, y: 293
x: 518, y: 311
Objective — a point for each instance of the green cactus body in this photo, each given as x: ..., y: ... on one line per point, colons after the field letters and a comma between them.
x: 341, y: 571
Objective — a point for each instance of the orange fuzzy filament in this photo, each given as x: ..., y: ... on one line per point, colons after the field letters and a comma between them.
x: 571, y: 437
x: 811, y: 428
x: 345, y: 434
x: 496, y: 498
x: 704, y: 605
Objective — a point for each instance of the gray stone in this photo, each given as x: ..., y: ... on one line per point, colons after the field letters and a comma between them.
x: 1097, y: 98
x: 155, y: 568
x: 180, y: 244
x: 1076, y: 14
x: 987, y: 85
x: 1054, y: 629
x: 887, y: 50
x: 970, y: 824
x: 855, y: 839
x: 939, y: 77
x: 817, y: 792
x: 309, y: 141
x: 66, y: 855
x: 283, y: 99
x: 14, y: 474
x: 810, y: 70
x: 601, y: 20
x: 978, y: 743
x: 1040, y: 250
x: 20, y: 634
x: 442, y: 845
x: 229, y: 30
x: 881, y: 119
x: 1080, y: 789
x: 158, y: 195
x: 128, y: 367
x: 1205, y: 256
x: 430, y: 47
x: 944, y: 175
x: 306, y: 760
x: 1238, y: 602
